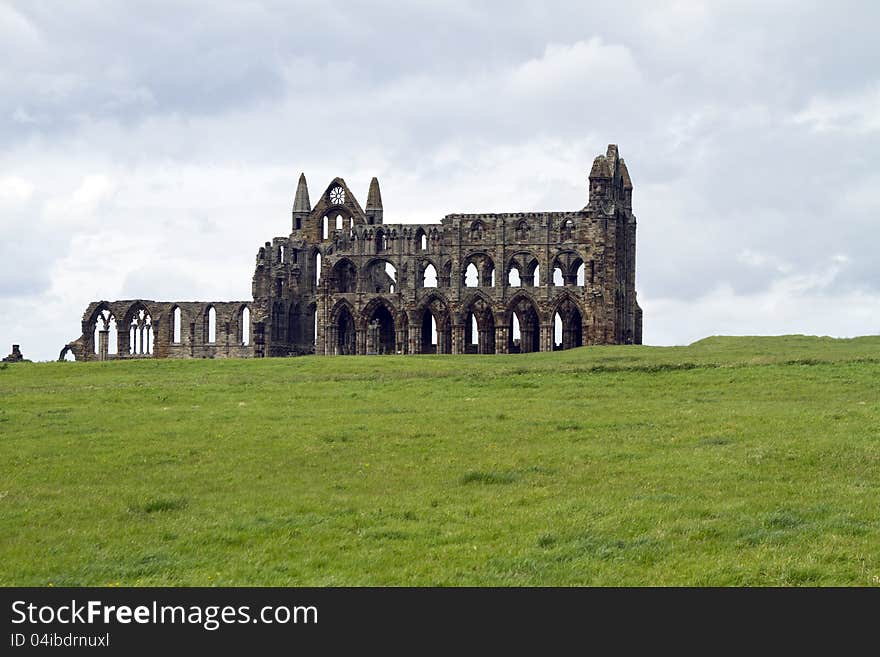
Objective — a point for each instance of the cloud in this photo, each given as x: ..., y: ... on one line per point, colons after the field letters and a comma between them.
x: 857, y: 113
x: 150, y: 151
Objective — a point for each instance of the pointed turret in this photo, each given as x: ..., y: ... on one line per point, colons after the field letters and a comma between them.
x: 600, y: 180
x: 301, y: 204
x: 374, y: 203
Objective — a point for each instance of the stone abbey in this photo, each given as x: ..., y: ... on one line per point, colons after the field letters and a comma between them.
x: 345, y: 282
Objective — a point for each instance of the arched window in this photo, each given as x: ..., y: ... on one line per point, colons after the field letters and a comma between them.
x: 475, y: 331
x: 338, y: 222
x: 391, y: 270
x: 581, y: 272
x: 245, y: 323
x: 476, y: 231
x: 140, y: 334
x: 325, y: 227
x: 175, y: 325
x: 471, y: 276
x: 566, y: 231
x: 513, y: 279
x: 317, y: 269
x: 429, y: 279
x: 105, y: 335
x: 423, y: 242
x: 557, y: 331
x: 536, y: 279
x: 381, y: 241
x: 522, y: 230
x: 558, y: 278
x: 212, y: 325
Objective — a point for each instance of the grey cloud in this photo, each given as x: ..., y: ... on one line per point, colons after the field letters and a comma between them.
x: 748, y: 127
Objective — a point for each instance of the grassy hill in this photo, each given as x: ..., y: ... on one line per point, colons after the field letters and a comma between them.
x: 732, y: 461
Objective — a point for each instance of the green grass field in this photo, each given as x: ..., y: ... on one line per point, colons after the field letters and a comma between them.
x: 735, y: 461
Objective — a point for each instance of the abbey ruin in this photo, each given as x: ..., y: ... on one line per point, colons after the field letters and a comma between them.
x: 345, y: 282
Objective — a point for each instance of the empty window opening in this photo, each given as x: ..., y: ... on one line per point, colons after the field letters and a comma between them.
x: 338, y: 222
x: 536, y: 277
x: 317, y: 269
x: 513, y: 278
x: 212, y: 325
x: 105, y: 335
x: 325, y: 229
x: 344, y: 277
x: 140, y: 334
x: 557, y: 331
x: 175, y: 326
x: 391, y: 271
x: 380, y: 277
x: 245, y: 323
x: 475, y: 332
x: 558, y: 279
x: 429, y: 279
x: 423, y: 242
x: 471, y: 276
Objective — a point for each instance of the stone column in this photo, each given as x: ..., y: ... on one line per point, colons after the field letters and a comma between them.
x: 400, y: 336
x: 414, y: 344
x: 501, y: 339
x: 333, y: 342
x: 441, y: 341
x: 458, y: 339
x: 546, y: 341
x: 103, y: 342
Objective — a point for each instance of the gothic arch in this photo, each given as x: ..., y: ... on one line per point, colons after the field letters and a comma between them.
x: 434, y: 322
x: 343, y: 332
x: 479, y: 323
x: 379, y: 321
x: 485, y: 269
x: 571, y: 320
x: 344, y: 276
x: 524, y: 324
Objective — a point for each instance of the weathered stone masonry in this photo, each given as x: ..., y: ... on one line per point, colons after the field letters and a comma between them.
x: 345, y: 282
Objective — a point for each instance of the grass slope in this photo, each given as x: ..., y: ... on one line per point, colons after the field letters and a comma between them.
x: 732, y: 461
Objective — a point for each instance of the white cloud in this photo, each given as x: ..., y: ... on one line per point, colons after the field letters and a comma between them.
x: 153, y: 159
x: 570, y: 70
x: 14, y: 189
x: 857, y: 113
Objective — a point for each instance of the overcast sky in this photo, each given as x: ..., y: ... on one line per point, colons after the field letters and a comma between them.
x: 148, y: 149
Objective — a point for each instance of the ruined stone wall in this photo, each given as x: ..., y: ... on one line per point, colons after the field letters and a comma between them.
x: 345, y: 282
x: 142, y: 328
x: 324, y: 289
